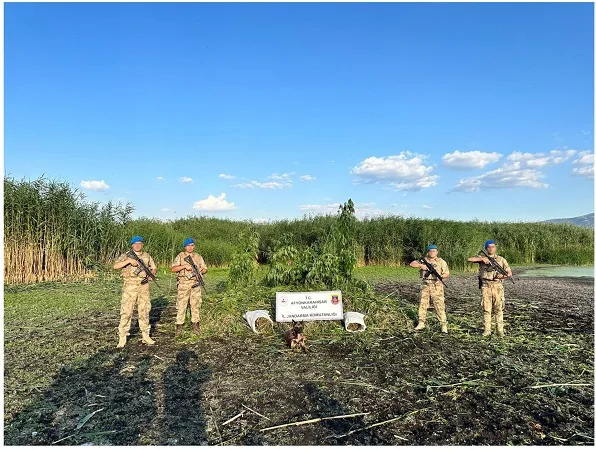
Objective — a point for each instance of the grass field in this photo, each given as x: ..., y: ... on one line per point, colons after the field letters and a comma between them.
x: 535, y: 386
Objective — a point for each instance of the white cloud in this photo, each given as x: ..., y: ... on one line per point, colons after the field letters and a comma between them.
x: 257, y: 184
x: 283, y: 181
x: 95, y: 185
x: 362, y: 210
x: 427, y: 207
x: 166, y: 210
x: 364, y: 213
x: 226, y: 176
x: 307, y: 178
x: 261, y: 220
x: 586, y: 172
x: 283, y: 176
x: 286, y: 178
x: 185, y: 180
x: 508, y: 176
x: 585, y: 158
x: 469, y: 160
x: 521, y: 170
x: 560, y: 157
x: 160, y: 178
x: 405, y: 171
x: 523, y: 157
x: 214, y: 204
x: 541, y: 159
x: 417, y: 185
x: 585, y: 132
x: 330, y: 208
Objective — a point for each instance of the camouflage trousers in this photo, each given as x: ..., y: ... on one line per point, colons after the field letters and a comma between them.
x: 493, y: 302
x: 187, y: 294
x: 432, y: 292
x: 134, y: 293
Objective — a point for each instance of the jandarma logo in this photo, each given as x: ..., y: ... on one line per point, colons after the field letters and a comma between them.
x: 335, y: 299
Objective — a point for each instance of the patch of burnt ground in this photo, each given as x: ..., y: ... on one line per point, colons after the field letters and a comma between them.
x: 535, y: 386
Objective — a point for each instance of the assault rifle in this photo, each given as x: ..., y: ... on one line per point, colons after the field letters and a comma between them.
x: 495, y: 265
x: 431, y: 270
x: 196, y: 273
x: 142, y: 268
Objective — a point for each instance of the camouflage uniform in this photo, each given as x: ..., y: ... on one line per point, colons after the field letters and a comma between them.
x: 186, y: 293
x: 133, y: 293
x: 493, y: 294
x: 432, y: 290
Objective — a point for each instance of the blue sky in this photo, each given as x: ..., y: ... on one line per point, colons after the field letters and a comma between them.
x: 458, y: 111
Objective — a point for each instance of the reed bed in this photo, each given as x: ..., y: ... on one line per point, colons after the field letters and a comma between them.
x: 51, y: 232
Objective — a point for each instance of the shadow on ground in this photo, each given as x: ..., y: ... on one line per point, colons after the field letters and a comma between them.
x: 184, y: 420
x: 109, y: 383
x: 110, y: 398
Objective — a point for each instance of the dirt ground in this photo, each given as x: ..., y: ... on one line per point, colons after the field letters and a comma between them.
x: 415, y: 388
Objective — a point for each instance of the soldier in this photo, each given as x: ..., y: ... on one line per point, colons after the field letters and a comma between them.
x: 186, y: 292
x: 493, y: 294
x: 134, y: 292
x: 432, y: 288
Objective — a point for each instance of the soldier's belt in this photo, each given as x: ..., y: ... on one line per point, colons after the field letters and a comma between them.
x: 134, y: 280
x: 185, y: 279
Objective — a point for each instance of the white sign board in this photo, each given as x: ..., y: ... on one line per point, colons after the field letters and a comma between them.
x: 325, y: 305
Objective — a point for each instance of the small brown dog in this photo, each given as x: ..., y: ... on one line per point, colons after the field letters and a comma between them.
x: 294, y: 337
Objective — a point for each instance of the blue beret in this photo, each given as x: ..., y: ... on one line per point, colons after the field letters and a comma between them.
x: 136, y: 239
x: 431, y: 247
x: 188, y: 242
x: 487, y: 243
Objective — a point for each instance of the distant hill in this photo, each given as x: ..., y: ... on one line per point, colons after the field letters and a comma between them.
x: 582, y: 221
